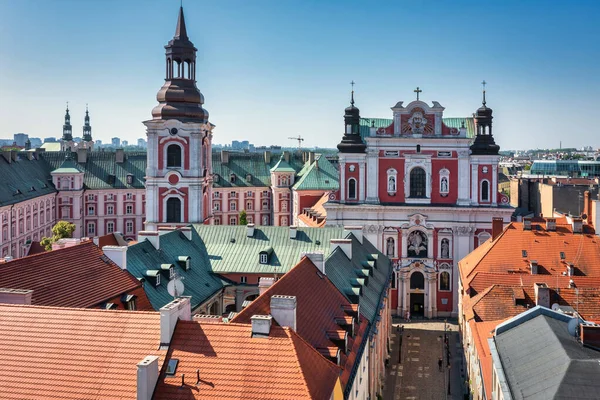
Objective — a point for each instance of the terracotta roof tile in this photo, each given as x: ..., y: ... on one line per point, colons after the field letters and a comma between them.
x: 499, y: 302
x: 316, y: 316
x: 65, y: 353
x: 281, y: 366
x: 481, y: 331
x: 78, y: 276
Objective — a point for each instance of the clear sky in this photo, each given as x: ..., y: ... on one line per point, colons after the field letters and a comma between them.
x: 274, y: 69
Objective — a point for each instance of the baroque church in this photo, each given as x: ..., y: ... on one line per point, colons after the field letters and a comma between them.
x: 424, y: 187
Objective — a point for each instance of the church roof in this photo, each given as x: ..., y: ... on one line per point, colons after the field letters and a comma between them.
x: 318, y: 175
x: 365, y: 124
x: 23, y: 179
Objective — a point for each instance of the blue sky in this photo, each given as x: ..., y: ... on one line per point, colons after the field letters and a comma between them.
x: 274, y: 69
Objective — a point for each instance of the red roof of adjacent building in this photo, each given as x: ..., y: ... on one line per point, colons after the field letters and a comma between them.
x: 319, y: 312
x: 234, y: 365
x: 481, y: 332
x: 316, y: 216
x: 78, y: 276
x: 65, y: 353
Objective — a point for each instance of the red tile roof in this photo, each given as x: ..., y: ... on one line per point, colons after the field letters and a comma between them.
x: 316, y: 216
x: 78, y: 276
x: 481, y: 331
x: 317, y: 316
x: 482, y: 280
x: 498, y: 302
x: 65, y: 353
x: 108, y: 240
x: 234, y: 365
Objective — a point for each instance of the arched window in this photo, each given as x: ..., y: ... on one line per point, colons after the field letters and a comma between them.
x: 173, y: 210
x: 417, y: 183
x: 485, y: 190
x: 352, y: 188
x: 417, y: 281
x: 444, y: 280
x: 173, y: 156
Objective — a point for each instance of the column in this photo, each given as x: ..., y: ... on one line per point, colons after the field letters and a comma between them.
x: 239, y: 299
x: 474, y: 184
x: 405, y: 295
x: 494, y: 187
x: 400, y: 294
x: 463, y: 178
x: 361, y: 178
x: 372, y: 177
x: 342, y: 181
x: 433, y: 295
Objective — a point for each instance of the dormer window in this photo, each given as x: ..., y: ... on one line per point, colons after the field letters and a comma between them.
x: 168, y: 268
x: 248, y: 178
x: 265, y: 255
x: 184, y: 262
x: 130, y: 179
x: 153, y: 275
x: 264, y: 259
x: 232, y: 178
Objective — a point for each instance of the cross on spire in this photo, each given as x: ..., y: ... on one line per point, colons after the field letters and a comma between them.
x: 352, y: 99
x: 417, y: 91
x: 483, y: 84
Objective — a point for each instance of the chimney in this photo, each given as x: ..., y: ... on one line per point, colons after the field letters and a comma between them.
x: 187, y: 231
x: 264, y: 283
x: 30, y: 155
x: 293, y: 231
x: 286, y: 156
x: 267, y: 157
x: 577, y: 225
x: 542, y: 295
x: 344, y: 244
x: 311, y: 157
x: 317, y: 258
x: 81, y: 156
x: 179, y: 308
x: 15, y: 296
x: 497, y: 227
x: 527, y: 223
x: 6, y: 155
x: 534, y: 267
x: 570, y: 269
x: 250, y: 230
x: 224, y: 157
x: 14, y: 155
x: 117, y: 254
x: 147, y: 376
x: 590, y: 336
x: 152, y: 237
x: 357, y: 231
x: 551, y: 224
x: 120, y: 156
x: 283, y: 309
x: 261, y: 325
x: 586, y: 204
x: 373, y: 129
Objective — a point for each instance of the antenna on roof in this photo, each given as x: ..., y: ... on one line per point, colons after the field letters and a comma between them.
x: 175, y: 287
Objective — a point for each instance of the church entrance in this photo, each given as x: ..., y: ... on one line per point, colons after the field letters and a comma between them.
x: 417, y: 304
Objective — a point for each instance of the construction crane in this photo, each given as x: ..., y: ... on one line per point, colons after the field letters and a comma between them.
x: 300, y: 139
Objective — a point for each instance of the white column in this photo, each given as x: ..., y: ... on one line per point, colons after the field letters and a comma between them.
x: 433, y: 295
x: 372, y: 177
x: 474, y: 184
x: 403, y: 250
x: 400, y: 294
x: 494, y: 184
x: 463, y: 178
x: 342, y: 181
x: 361, y: 177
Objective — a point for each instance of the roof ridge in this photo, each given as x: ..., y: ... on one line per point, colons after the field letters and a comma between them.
x: 73, y: 309
x: 86, y: 242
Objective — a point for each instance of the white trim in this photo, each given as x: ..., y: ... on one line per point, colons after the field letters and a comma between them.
x: 481, y: 200
x: 391, y: 174
x: 167, y: 197
x: 355, y: 197
x: 165, y: 147
x: 444, y: 173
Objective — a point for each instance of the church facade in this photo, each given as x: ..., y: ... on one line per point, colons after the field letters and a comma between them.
x: 424, y: 188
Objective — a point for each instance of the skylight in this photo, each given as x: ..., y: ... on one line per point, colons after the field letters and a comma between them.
x: 524, y: 253
x: 172, y: 366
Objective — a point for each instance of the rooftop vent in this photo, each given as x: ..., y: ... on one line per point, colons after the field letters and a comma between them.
x: 261, y: 326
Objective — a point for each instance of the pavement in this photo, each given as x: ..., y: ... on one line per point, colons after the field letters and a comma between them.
x: 413, y: 371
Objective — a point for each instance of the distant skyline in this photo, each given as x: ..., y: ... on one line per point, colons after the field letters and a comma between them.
x: 270, y: 70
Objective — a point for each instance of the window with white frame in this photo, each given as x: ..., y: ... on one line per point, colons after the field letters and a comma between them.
x: 263, y: 258
x: 217, y: 221
x: 216, y: 195
x: 129, y: 227
x: 249, y: 194
x: 90, y: 197
x: 485, y: 190
x: 284, y: 221
x: 284, y: 206
x: 232, y: 220
x: 129, y: 196
x: 265, y: 205
x: 110, y: 227
x: 171, y: 273
x: 110, y: 209
x: 111, y: 197
x: 232, y: 206
x: 131, y: 306
x: 352, y: 189
x: 91, y: 228
x: 129, y: 209
x: 216, y: 205
x: 249, y: 205
x: 444, y: 181
x: 265, y: 193
x: 243, y: 279
x: 392, y: 181
x: 91, y: 210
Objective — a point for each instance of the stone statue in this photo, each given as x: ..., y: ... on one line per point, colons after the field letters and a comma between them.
x: 391, y: 184
x: 444, y: 185
x: 445, y: 248
x: 417, y: 244
x: 444, y: 281
x: 390, y: 248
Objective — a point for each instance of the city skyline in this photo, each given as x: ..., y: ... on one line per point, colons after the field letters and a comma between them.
x: 285, y: 69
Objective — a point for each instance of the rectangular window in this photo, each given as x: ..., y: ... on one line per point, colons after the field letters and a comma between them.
x: 111, y: 197
x: 263, y: 258
x: 110, y: 227
x: 249, y: 205
x: 131, y: 305
x: 265, y: 205
x: 129, y: 209
x: 91, y: 210
x: 232, y: 206
x: 284, y: 221
x: 129, y: 226
x: 129, y: 196
x: 248, y: 194
x: 217, y: 221
x: 91, y: 228
x: 90, y: 197
x: 243, y: 279
x: 284, y: 205
x: 232, y: 220
x: 216, y: 195
x: 217, y: 206
x: 110, y: 210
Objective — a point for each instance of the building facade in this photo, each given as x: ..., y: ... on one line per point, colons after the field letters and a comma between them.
x: 425, y: 191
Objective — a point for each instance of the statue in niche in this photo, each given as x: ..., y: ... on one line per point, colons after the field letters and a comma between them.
x: 417, y: 244
x: 444, y: 281
x: 389, y: 249
x: 391, y: 184
x: 444, y: 185
x: 445, y: 248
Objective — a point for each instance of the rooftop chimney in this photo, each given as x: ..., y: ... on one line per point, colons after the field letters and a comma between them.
x: 187, y: 231
x: 497, y: 227
x: 534, y: 267
x: 527, y: 223
x: 590, y: 336
x: 577, y: 225
x: 283, y: 309
x: 250, y: 230
x: 152, y: 236
x: 293, y: 231
x: 551, y: 224
x: 344, y: 244
x: 267, y: 157
x: 286, y: 156
x: 179, y: 308
x: 147, y: 376
x: 15, y: 296
x: 357, y: 231
x: 119, y: 156
x: 224, y: 157
x: 261, y: 325
x: 82, y: 156
x: 6, y: 155
x: 118, y: 255
x: 264, y: 283
x: 311, y: 157
x: 542, y: 295
x: 317, y: 258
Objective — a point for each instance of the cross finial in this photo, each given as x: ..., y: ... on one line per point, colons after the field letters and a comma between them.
x: 417, y: 91
x: 67, y: 106
x: 352, y: 99
x: 483, y: 84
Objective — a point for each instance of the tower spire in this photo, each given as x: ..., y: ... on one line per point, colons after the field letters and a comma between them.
x: 67, y: 129
x: 87, y: 128
x: 181, y: 31
x: 352, y: 96
x: 483, y: 84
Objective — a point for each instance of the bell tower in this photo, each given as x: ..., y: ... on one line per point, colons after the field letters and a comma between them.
x: 66, y: 141
x: 179, y: 170
x: 87, y: 131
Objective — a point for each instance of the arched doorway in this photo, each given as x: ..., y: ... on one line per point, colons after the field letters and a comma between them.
x: 417, y: 295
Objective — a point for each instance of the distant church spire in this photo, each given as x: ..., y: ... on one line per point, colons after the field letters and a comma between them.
x: 67, y: 129
x: 484, y: 143
x: 87, y: 128
x: 181, y: 31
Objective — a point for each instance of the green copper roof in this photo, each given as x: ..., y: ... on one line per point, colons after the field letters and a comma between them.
x: 199, y: 282
x: 68, y: 166
x: 282, y: 166
x: 230, y: 250
x: 101, y: 171
x: 365, y: 124
x: 320, y: 175
x: 343, y: 272
x: 24, y: 179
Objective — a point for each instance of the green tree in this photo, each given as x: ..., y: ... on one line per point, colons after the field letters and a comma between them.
x: 61, y: 230
x: 243, y: 219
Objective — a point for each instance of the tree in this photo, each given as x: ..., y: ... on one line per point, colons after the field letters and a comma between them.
x: 243, y: 219
x: 61, y: 230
